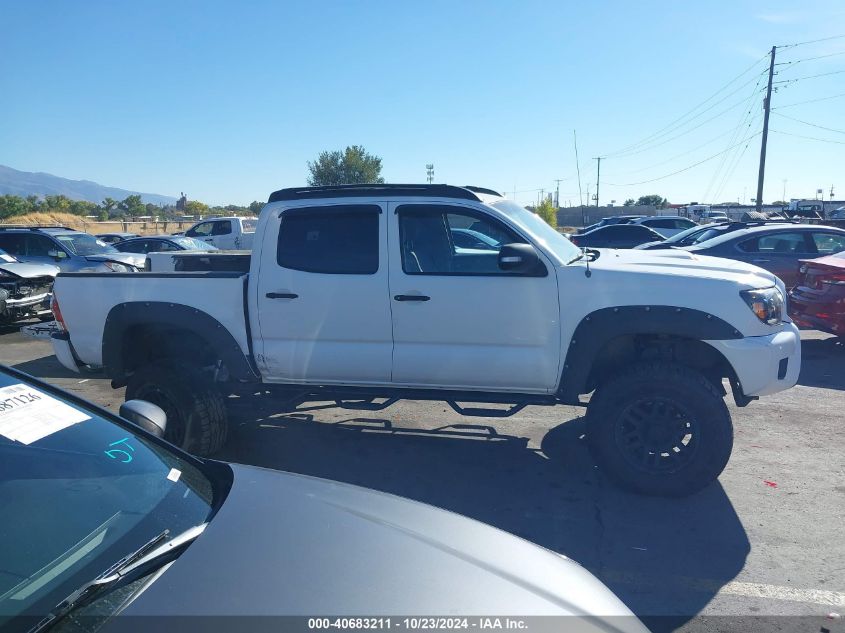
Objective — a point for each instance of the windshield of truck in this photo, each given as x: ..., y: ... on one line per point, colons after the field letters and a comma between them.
x: 84, y: 244
x: 191, y: 244
x: 77, y: 493
x: 539, y: 229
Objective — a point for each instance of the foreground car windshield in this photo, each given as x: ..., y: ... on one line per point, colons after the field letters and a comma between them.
x: 84, y: 244
x: 534, y: 224
x: 78, y: 492
x: 191, y: 244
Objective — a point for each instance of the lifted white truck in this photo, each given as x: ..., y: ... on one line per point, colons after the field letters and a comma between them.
x: 363, y: 295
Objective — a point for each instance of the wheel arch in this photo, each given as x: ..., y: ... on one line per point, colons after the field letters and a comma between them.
x: 142, y: 331
x: 611, y: 338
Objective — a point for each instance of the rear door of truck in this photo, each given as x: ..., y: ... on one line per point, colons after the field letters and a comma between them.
x: 321, y: 294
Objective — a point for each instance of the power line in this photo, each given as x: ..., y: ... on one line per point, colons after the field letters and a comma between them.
x: 643, y: 182
x: 789, y: 105
x: 823, y: 39
x: 692, y: 129
x: 794, y: 79
x: 673, y: 123
x: 810, y: 138
x: 792, y: 63
x: 732, y: 168
x: 737, y: 131
x: 821, y: 127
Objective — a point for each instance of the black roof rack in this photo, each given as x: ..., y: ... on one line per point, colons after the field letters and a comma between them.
x: 368, y: 191
x: 483, y: 190
x: 35, y: 227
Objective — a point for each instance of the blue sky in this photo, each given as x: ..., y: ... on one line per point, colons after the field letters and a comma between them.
x: 228, y: 100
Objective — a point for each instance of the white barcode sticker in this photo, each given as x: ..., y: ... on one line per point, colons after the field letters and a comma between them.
x: 28, y: 415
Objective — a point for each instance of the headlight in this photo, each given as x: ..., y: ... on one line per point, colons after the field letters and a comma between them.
x: 766, y: 303
x: 116, y: 267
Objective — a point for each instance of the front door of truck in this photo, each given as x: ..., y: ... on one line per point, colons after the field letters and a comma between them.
x: 322, y: 295
x: 459, y: 321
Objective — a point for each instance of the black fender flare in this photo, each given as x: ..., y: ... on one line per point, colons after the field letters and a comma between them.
x: 126, y: 315
x: 602, y: 326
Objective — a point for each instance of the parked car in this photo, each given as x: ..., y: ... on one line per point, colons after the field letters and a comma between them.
x: 838, y: 214
x: 708, y: 217
x: 666, y: 225
x: 468, y: 238
x: 701, y: 233
x: 108, y: 519
x: 818, y: 299
x: 225, y: 233
x: 777, y: 248
x: 321, y: 315
x: 616, y: 236
x: 115, y: 238
x: 25, y: 289
x: 615, y: 219
x: 69, y: 249
x: 163, y: 243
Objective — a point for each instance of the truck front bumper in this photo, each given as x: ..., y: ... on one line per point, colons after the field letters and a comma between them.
x: 63, y: 350
x: 764, y: 364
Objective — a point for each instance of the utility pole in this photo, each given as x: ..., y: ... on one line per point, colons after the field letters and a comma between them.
x: 557, y: 192
x: 767, y: 106
x: 598, y: 177
x: 429, y: 170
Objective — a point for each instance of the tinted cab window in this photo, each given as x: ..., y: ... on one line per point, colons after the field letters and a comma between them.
x: 342, y: 240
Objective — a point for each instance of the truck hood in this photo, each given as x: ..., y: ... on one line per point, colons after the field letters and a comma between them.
x: 285, y: 544
x: 29, y: 271
x: 681, y: 263
x: 133, y: 259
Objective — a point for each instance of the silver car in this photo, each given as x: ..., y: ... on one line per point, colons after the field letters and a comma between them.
x: 128, y: 524
x: 69, y: 249
x: 25, y: 289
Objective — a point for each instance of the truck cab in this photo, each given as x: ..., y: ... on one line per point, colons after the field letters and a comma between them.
x: 232, y: 233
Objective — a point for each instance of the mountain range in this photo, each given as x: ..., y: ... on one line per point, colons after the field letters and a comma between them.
x: 27, y: 183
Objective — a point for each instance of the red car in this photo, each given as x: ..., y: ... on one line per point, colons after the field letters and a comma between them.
x: 818, y: 301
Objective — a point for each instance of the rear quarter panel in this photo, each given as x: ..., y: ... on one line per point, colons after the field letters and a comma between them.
x: 86, y: 300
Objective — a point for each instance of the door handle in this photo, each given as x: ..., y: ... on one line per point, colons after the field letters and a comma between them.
x: 411, y: 298
x: 281, y: 295
x: 760, y: 261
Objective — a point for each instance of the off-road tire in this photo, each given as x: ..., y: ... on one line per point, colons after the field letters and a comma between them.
x: 196, y: 412
x: 660, y: 429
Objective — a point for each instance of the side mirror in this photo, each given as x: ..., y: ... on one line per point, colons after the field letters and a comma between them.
x: 146, y: 415
x: 56, y: 254
x: 519, y: 258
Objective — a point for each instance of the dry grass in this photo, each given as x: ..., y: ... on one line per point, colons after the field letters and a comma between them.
x: 57, y: 219
x: 94, y: 227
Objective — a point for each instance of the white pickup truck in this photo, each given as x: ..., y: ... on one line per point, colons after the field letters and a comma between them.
x: 360, y: 294
x: 232, y: 233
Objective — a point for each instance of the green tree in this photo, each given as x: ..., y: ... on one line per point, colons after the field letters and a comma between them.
x: 82, y: 207
x: 195, y: 207
x: 352, y: 166
x: 59, y: 203
x: 546, y: 210
x: 654, y: 200
x: 132, y: 205
x: 630, y: 202
x: 13, y: 205
x: 255, y: 207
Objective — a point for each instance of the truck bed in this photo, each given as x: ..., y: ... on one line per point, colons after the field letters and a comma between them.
x: 86, y: 299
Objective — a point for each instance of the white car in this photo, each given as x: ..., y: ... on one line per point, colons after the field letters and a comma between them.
x: 708, y: 217
x: 666, y: 225
x: 25, y: 289
x: 356, y: 294
x: 232, y: 233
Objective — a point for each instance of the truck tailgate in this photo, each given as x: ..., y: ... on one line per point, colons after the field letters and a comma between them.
x: 85, y: 300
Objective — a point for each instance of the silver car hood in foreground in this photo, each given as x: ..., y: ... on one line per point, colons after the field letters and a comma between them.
x: 29, y: 271
x: 284, y: 544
